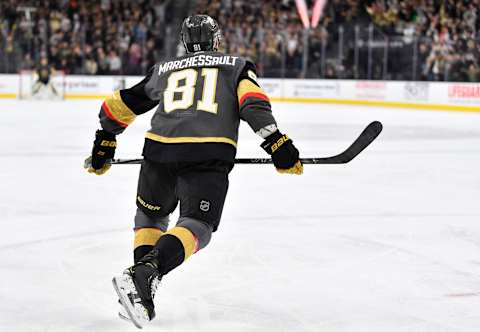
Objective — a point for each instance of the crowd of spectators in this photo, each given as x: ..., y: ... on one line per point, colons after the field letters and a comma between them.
x: 268, y: 32
x: 81, y: 36
x: 412, y: 39
x: 448, y: 31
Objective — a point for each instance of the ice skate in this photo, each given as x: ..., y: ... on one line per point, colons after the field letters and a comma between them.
x: 136, y: 289
x: 123, y: 314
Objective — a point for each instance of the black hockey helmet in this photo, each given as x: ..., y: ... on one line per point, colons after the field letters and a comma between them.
x: 200, y: 33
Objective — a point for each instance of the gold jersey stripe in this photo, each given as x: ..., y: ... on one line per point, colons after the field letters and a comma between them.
x: 146, y: 237
x: 189, y: 241
x: 246, y: 86
x: 164, y: 139
x: 118, y: 109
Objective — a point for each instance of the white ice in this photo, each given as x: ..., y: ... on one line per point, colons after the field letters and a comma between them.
x: 389, y: 242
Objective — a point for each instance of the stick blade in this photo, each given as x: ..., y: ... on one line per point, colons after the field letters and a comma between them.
x: 368, y: 135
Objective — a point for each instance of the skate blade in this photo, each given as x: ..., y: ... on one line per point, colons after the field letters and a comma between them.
x: 123, y: 317
x: 122, y: 313
x: 126, y: 304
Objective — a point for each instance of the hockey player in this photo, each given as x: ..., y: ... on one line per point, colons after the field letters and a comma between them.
x: 188, y: 152
x: 44, y: 83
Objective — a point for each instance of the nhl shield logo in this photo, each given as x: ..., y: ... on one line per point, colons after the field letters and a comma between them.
x: 204, y: 205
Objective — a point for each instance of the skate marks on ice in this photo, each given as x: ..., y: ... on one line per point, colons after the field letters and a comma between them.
x: 257, y: 293
x: 61, y: 238
x: 468, y: 236
x: 63, y: 286
x: 366, y: 272
x: 463, y: 294
x: 357, y: 271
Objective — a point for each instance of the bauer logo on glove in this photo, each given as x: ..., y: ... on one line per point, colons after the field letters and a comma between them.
x: 285, y: 155
x: 279, y: 143
x: 112, y: 144
x: 103, y: 151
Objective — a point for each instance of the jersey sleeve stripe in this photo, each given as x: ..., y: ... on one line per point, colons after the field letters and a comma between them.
x: 248, y: 89
x: 253, y: 95
x: 110, y: 116
x: 116, y: 110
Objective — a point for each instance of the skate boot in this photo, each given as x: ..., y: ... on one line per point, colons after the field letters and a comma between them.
x: 122, y: 313
x: 136, y: 289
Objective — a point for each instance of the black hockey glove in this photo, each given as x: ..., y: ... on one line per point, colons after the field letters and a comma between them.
x: 285, y: 155
x: 103, y: 150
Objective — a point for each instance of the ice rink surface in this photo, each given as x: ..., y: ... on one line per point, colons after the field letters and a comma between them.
x: 389, y: 242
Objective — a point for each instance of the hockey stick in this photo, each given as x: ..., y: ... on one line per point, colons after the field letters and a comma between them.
x: 368, y: 135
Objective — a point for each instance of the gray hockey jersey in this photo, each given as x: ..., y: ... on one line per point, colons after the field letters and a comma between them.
x: 200, y: 99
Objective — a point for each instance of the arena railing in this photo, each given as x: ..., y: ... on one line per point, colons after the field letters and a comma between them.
x: 367, y: 53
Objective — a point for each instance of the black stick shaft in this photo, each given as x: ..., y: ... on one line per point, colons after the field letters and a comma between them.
x: 368, y: 135
x: 237, y: 161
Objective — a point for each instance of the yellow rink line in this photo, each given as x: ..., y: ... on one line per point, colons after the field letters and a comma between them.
x: 389, y: 104
x: 8, y: 95
x: 353, y: 102
x: 67, y: 96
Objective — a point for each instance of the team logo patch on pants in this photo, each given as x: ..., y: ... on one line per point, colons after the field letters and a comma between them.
x: 204, y: 205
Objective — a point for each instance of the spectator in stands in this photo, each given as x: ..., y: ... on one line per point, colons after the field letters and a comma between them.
x: 134, y: 60
x: 421, y: 64
x: 114, y: 63
x: 27, y: 63
x: 102, y: 61
x: 91, y: 67
x: 473, y: 73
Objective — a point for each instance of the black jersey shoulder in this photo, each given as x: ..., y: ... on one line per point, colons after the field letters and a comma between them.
x: 249, y: 72
x: 136, y: 97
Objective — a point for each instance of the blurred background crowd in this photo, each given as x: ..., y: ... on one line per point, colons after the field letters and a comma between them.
x: 82, y: 36
x: 436, y: 40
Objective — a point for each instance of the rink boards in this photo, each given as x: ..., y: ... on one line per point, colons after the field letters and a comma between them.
x: 450, y: 96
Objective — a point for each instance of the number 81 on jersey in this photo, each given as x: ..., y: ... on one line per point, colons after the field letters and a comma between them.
x: 187, y: 91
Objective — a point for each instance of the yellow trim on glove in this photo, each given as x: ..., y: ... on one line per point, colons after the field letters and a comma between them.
x: 100, y: 171
x: 296, y: 169
x: 88, y: 166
